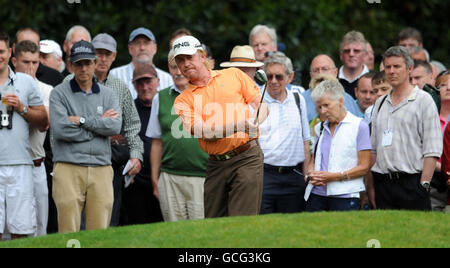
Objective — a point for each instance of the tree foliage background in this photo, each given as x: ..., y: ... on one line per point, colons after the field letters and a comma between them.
x: 307, y: 27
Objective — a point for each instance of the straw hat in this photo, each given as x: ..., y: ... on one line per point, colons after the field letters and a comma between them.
x: 242, y: 56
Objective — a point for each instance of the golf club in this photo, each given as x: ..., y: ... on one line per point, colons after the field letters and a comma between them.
x: 261, y: 77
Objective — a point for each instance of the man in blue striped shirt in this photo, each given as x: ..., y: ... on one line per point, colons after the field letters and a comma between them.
x: 284, y: 140
x: 142, y: 47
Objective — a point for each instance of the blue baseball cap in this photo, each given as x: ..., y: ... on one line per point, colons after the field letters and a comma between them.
x: 142, y: 31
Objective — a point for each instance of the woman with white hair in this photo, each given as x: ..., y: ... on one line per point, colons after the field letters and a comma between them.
x: 341, y: 155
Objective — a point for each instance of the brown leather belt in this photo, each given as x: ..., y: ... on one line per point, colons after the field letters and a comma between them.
x: 118, y: 140
x: 239, y: 150
x: 38, y: 162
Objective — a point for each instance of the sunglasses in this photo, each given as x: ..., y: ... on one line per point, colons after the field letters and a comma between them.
x: 279, y: 77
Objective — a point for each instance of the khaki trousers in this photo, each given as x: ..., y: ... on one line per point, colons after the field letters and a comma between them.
x: 77, y: 187
x: 181, y: 197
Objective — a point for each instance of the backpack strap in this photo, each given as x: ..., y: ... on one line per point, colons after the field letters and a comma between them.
x: 297, y: 101
x: 381, y: 104
x: 379, y: 108
x: 317, y: 144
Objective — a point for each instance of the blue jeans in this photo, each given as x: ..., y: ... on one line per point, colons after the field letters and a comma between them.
x: 318, y: 203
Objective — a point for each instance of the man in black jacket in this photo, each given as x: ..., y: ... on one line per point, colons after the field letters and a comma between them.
x: 44, y: 74
x: 352, y: 53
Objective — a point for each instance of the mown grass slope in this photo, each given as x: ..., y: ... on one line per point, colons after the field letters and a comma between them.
x: 304, y: 230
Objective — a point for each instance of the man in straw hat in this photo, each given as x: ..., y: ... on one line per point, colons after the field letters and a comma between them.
x: 243, y: 58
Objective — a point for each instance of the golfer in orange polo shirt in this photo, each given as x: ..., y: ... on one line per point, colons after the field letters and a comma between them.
x: 216, y: 108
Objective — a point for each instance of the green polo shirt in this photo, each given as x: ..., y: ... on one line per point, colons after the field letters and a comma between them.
x: 181, y: 156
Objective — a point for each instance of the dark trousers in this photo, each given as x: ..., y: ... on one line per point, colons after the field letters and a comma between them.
x: 118, y: 185
x: 234, y: 187
x: 139, y: 205
x: 318, y: 203
x: 402, y: 192
x: 282, y: 193
x: 52, y: 225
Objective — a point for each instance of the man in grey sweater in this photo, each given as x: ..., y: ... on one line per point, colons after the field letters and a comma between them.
x: 83, y: 115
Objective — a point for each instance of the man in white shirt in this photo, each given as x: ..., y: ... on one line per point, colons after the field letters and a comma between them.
x: 284, y: 140
x: 142, y: 47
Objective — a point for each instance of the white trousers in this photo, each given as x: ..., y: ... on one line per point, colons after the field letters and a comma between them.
x: 41, y: 199
x: 181, y: 197
x: 17, y: 210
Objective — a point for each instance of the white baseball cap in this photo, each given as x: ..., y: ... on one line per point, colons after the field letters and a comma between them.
x: 186, y: 45
x: 50, y: 46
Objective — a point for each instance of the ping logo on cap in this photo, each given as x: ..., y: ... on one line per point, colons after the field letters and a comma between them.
x: 184, y: 44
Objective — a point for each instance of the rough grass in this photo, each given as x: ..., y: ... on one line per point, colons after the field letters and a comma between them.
x: 305, y: 230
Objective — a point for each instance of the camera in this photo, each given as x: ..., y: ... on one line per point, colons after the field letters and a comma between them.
x: 6, y: 117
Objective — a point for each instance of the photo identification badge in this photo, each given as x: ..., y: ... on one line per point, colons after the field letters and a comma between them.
x: 387, y: 138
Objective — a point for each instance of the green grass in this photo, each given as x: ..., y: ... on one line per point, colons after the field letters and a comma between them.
x: 350, y: 229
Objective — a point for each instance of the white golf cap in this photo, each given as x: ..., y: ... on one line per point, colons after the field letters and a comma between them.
x: 186, y: 45
x: 50, y: 46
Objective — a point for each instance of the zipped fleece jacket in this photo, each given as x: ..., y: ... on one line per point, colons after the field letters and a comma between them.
x: 89, y: 144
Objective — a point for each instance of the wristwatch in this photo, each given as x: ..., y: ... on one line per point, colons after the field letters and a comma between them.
x: 24, y: 111
x: 82, y: 121
x: 426, y: 185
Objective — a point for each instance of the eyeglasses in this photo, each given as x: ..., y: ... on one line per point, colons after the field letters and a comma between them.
x: 279, y: 77
x: 355, y: 51
x: 322, y: 70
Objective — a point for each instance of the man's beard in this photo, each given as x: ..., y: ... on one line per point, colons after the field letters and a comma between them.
x: 143, y: 58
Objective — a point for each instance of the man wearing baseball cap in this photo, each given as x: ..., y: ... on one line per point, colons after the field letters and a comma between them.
x: 140, y: 204
x: 51, y: 55
x: 142, y: 47
x: 83, y: 115
x: 215, y: 108
x: 127, y: 145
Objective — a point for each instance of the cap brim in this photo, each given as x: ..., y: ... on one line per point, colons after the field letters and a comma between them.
x: 45, y: 51
x: 105, y: 47
x: 241, y: 64
x: 82, y: 57
x: 185, y: 52
x: 131, y: 39
x: 142, y: 76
